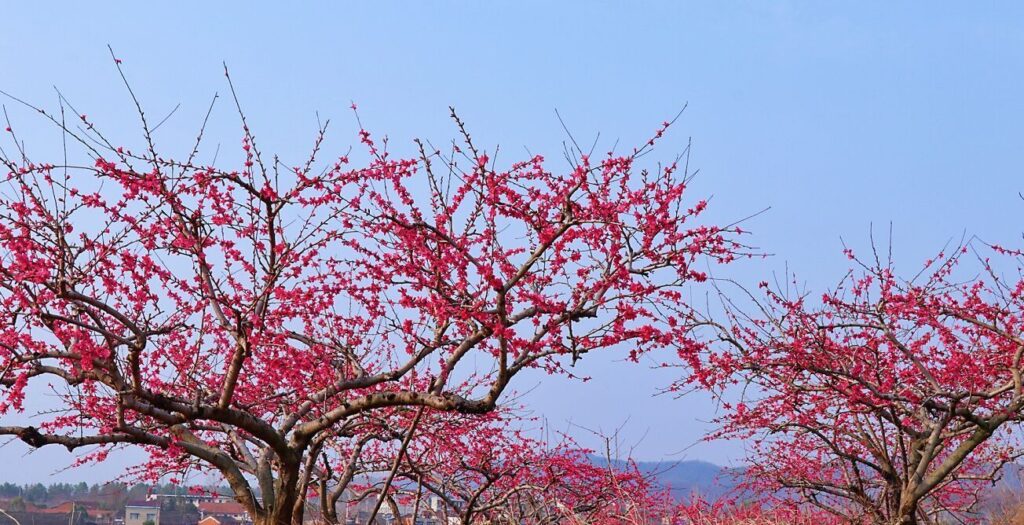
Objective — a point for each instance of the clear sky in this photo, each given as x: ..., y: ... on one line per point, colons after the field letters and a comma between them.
x: 836, y: 115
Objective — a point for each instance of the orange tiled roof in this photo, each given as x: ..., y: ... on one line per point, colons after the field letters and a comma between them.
x: 216, y: 507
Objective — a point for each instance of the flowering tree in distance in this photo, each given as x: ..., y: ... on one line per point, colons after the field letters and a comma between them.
x: 240, y: 319
x: 483, y: 469
x: 480, y: 468
x: 891, y: 401
x: 490, y: 473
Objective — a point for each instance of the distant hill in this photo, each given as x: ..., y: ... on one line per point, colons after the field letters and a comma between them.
x: 686, y: 478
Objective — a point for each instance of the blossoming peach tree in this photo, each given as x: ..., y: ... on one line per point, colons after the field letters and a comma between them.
x: 487, y: 469
x: 239, y: 319
x: 888, y: 400
x: 494, y: 474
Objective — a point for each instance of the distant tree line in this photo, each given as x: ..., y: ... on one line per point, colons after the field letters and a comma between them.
x: 110, y: 496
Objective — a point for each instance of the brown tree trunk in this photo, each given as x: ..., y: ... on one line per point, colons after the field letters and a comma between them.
x: 907, y: 513
x: 283, y: 511
x: 280, y: 516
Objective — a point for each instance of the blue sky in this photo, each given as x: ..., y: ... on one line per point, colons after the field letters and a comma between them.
x: 836, y: 115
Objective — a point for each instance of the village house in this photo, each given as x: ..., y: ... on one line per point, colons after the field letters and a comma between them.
x: 142, y: 513
x: 221, y: 520
x: 223, y: 513
x: 32, y: 515
x: 91, y: 509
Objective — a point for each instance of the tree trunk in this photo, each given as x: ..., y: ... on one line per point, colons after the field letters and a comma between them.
x: 283, y: 511
x: 907, y: 513
x: 280, y: 516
